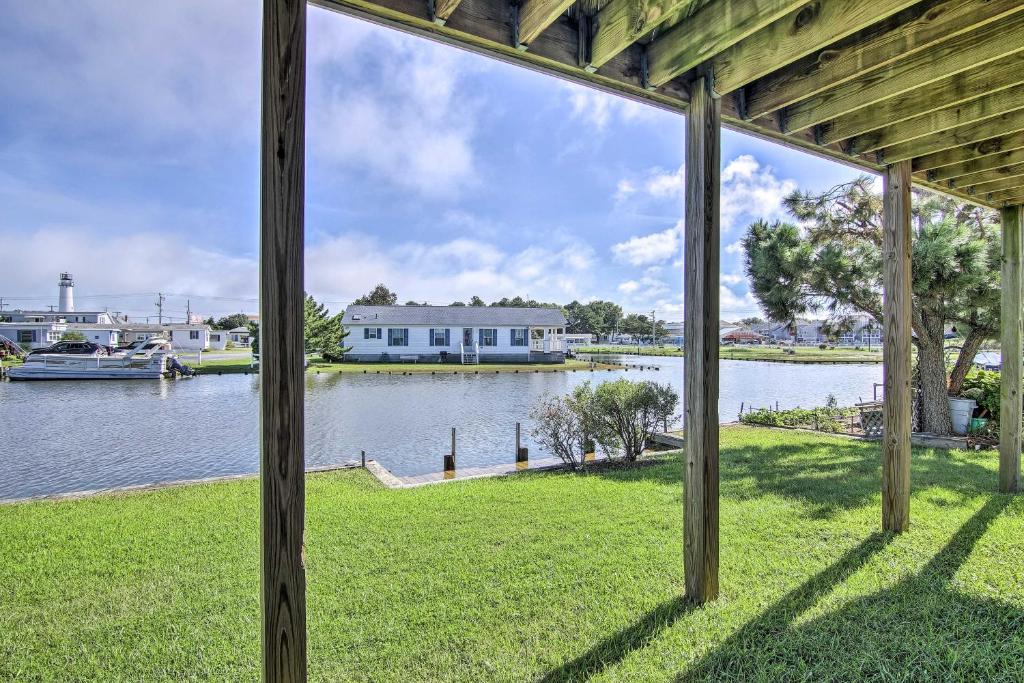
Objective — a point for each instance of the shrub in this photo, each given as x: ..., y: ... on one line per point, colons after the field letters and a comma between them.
x: 827, y: 419
x: 983, y: 387
x: 72, y: 335
x: 229, y: 345
x: 558, y: 427
x: 623, y: 416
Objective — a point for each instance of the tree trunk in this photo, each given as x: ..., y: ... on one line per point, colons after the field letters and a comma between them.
x: 972, y: 344
x: 931, y: 367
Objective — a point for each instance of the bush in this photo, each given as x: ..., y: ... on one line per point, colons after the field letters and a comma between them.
x: 559, y: 428
x: 229, y: 345
x: 623, y: 416
x: 72, y: 335
x: 823, y: 419
x: 823, y: 347
x: 983, y: 387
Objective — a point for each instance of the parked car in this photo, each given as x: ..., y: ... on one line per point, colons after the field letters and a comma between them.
x: 74, y: 346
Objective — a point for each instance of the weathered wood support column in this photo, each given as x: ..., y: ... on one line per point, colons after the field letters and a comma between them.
x: 700, y: 293
x: 1011, y: 339
x: 896, y: 348
x: 282, y: 194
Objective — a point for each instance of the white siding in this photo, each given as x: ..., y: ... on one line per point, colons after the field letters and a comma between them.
x: 419, y: 342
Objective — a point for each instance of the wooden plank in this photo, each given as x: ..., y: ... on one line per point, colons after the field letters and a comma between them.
x: 896, y: 348
x: 994, y: 163
x: 957, y: 137
x: 796, y: 35
x: 1005, y: 197
x: 282, y: 376
x: 444, y: 9
x: 715, y: 27
x: 1011, y: 396
x: 537, y: 15
x: 914, y: 30
x: 484, y: 27
x: 968, y: 179
x: 700, y: 363
x: 976, y: 110
x: 620, y: 23
x: 996, y: 145
x: 957, y: 89
x: 964, y: 52
x: 1001, y: 185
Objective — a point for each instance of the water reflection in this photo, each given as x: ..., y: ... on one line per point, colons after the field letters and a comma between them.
x: 72, y: 436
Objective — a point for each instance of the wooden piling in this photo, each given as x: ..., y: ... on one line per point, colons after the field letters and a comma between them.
x: 449, y: 460
x: 1011, y: 399
x: 701, y: 315
x: 896, y: 415
x: 282, y: 375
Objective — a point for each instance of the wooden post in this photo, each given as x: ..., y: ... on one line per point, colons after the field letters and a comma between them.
x: 282, y: 491
x: 1011, y: 400
x: 449, y: 460
x: 896, y: 348
x: 700, y: 290
x: 362, y: 457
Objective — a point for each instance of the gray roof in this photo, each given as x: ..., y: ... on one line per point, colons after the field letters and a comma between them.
x: 469, y: 316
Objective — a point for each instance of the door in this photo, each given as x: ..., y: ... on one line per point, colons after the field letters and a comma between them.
x: 467, y: 336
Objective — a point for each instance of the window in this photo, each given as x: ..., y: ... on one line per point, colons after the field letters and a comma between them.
x: 26, y: 336
x: 439, y: 337
x: 193, y: 334
x: 488, y: 337
x: 371, y: 333
x: 519, y: 335
x: 398, y: 336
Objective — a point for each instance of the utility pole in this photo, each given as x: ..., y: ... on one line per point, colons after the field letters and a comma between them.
x: 2, y: 304
x: 653, y: 327
x: 188, y: 311
x: 160, y: 306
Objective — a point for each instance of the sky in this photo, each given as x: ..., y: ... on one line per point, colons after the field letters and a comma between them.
x: 129, y: 156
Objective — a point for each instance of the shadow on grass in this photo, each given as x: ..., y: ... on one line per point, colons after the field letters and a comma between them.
x: 920, y: 628
x: 612, y: 650
x: 829, y: 475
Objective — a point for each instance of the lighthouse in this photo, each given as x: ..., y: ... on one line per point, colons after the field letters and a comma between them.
x: 66, y: 302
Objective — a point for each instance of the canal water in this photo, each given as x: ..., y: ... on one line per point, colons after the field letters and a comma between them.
x: 58, y: 437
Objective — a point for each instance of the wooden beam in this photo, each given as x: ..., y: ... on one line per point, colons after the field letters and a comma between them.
x: 962, y: 53
x: 974, y: 111
x: 1006, y: 197
x: 1011, y: 396
x: 948, y: 92
x: 700, y: 303
x: 913, y: 30
x: 537, y: 15
x: 796, y: 35
x: 996, y: 145
x: 1001, y: 185
x: 712, y: 29
x: 957, y: 137
x: 282, y: 375
x: 967, y: 170
x: 896, y: 348
x: 620, y: 23
x: 985, y: 176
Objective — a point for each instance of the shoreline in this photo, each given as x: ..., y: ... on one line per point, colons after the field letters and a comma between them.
x: 809, y: 357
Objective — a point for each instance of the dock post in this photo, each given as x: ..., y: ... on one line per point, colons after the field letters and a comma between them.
x: 362, y: 457
x: 449, y: 460
x: 522, y: 454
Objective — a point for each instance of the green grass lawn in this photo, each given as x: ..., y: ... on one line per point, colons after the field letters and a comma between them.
x: 540, y: 576
x: 233, y: 365
x: 801, y: 354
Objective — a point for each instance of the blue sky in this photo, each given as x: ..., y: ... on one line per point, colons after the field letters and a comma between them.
x: 129, y: 148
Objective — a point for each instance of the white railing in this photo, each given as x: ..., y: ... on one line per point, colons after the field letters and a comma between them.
x: 546, y: 345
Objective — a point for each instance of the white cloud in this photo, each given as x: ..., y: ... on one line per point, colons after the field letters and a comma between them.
x: 731, y: 278
x: 649, y: 249
x: 734, y: 247
x: 598, y: 108
x: 666, y: 184
x: 750, y: 189
x: 629, y: 286
x: 624, y: 189
x: 732, y: 305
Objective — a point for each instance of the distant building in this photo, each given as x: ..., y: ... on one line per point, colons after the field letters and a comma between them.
x: 455, y: 334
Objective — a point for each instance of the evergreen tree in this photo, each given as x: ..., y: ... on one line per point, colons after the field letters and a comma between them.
x: 324, y: 333
x: 833, y: 262
x: 379, y: 296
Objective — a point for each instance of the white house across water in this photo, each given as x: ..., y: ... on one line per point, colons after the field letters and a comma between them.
x: 455, y: 334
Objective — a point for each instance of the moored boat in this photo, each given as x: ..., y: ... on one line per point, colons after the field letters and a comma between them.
x: 146, y: 361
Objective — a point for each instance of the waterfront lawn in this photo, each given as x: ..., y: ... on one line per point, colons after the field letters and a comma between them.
x: 316, y: 364
x: 539, y: 576
x: 800, y: 354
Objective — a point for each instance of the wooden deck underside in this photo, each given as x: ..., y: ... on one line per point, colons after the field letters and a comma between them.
x: 863, y: 82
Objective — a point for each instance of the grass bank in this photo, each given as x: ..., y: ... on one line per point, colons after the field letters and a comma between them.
x: 232, y: 365
x: 547, y: 577
x: 799, y: 354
